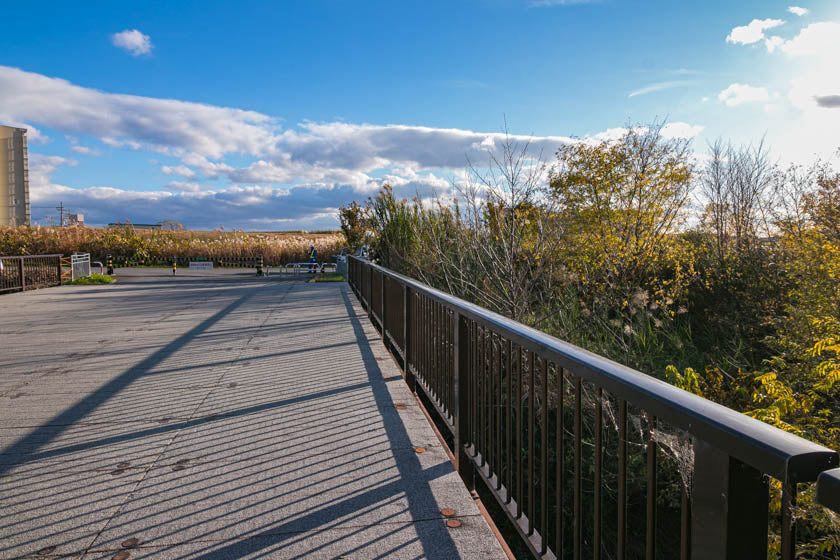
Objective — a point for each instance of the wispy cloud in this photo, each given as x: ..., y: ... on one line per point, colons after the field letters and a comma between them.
x: 797, y: 11
x: 84, y: 150
x: 659, y: 86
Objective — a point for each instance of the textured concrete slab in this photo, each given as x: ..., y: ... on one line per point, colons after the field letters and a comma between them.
x: 216, y: 416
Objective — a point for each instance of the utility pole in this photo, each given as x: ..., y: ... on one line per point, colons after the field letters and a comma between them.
x: 60, y: 209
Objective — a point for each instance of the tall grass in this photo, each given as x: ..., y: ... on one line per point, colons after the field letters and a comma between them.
x: 150, y: 246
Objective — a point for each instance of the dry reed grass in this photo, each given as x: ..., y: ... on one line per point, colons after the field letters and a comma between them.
x: 159, y: 246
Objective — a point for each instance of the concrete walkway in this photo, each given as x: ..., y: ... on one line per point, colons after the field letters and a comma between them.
x: 215, y: 415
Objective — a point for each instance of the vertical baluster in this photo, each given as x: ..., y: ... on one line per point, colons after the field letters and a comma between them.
x: 485, y: 396
x: 474, y: 388
x: 577, y: 497
x: 509, y: 423
x: 491, y: 404
x: 531, y: 441
x: 685, y: 524
x: 788, y: 521
x: 544, y: 459
x: 650, y: 529
x: 559, y: 473
x: 482, y: 415
x: 518, y: 454
x: 622, y: 479
x: 597, y: 482
x: 498, y: 412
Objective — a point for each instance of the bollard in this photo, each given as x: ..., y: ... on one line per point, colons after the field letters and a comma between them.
x: 110, y: 261
x: 259, y: 266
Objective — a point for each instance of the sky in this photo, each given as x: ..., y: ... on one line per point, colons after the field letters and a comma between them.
x: 270, y: 115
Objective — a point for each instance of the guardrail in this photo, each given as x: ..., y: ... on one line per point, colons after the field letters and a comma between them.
x: 588, y: 458
x: 308, y: 267
x: 828, y: 490
x: 18, y: 274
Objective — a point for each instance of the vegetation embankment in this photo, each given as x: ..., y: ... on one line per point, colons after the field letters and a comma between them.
x: 136, y: 246
x: 93, y: 279
x: 328, y: 277
x: 720, y: 275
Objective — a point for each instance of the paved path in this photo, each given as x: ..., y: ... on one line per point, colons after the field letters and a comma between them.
x: 215, y: 415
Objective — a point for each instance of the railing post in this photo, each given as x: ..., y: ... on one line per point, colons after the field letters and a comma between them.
x: 407, y: 330
x: 729, y: 507
x: 22, y: 274
x: 382, y: 306
x: 461, y: 338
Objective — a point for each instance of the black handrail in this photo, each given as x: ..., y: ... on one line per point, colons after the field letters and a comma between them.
x: 29, y: 272
x: 489, y: 377
x: 828, y: 489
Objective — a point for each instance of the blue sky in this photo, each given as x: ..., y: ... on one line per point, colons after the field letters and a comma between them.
x: 270, y: 115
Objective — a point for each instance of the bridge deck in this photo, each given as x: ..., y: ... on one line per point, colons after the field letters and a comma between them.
x: 215, y: 415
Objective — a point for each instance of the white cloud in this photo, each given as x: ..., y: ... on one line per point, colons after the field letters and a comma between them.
x: 796, y: 10
x: 114, y: 143
x: 659, y: 86
x: 41, y: 167
x: 737, y: 94
x: 182, y: 186
x: 681, y: 130
x: 201, y: 207
x: 820, y: 39
x: 181, y: 170
x: 84, y: 150
x: 752, y: 32
x: 132, y: 120
x: 303, y: 173
x: 773, y: 42
x: 132, y: 41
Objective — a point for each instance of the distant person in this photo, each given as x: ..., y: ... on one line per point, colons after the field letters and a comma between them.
x: 313, y: 257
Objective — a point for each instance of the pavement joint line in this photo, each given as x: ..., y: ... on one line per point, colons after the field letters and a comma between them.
x: 129, y: 495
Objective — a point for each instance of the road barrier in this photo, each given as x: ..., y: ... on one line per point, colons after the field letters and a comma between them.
x: 79, y: 266
x: 589, y: 458
x: 18, y: 274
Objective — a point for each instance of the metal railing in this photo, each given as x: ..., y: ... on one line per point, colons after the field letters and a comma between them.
x: 828, y: 490
x: 588, y: 458
x: 18, y: 274
x: 298, y: 267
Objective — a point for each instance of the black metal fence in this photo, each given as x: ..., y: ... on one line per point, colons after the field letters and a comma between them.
x: 588, y: 458
x: 120, y: 261
x: 18, y: 274
x: 828, y: 490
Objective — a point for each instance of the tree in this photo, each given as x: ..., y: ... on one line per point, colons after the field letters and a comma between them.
x: 621, y: 203
x: 355, y: 224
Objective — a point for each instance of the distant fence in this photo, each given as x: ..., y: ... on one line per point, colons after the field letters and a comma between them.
x: 589, y: 458
x: 218, y: 262
x: 18, y: 274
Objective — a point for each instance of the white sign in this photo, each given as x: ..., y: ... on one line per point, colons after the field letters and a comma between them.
x: 201, y: 265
